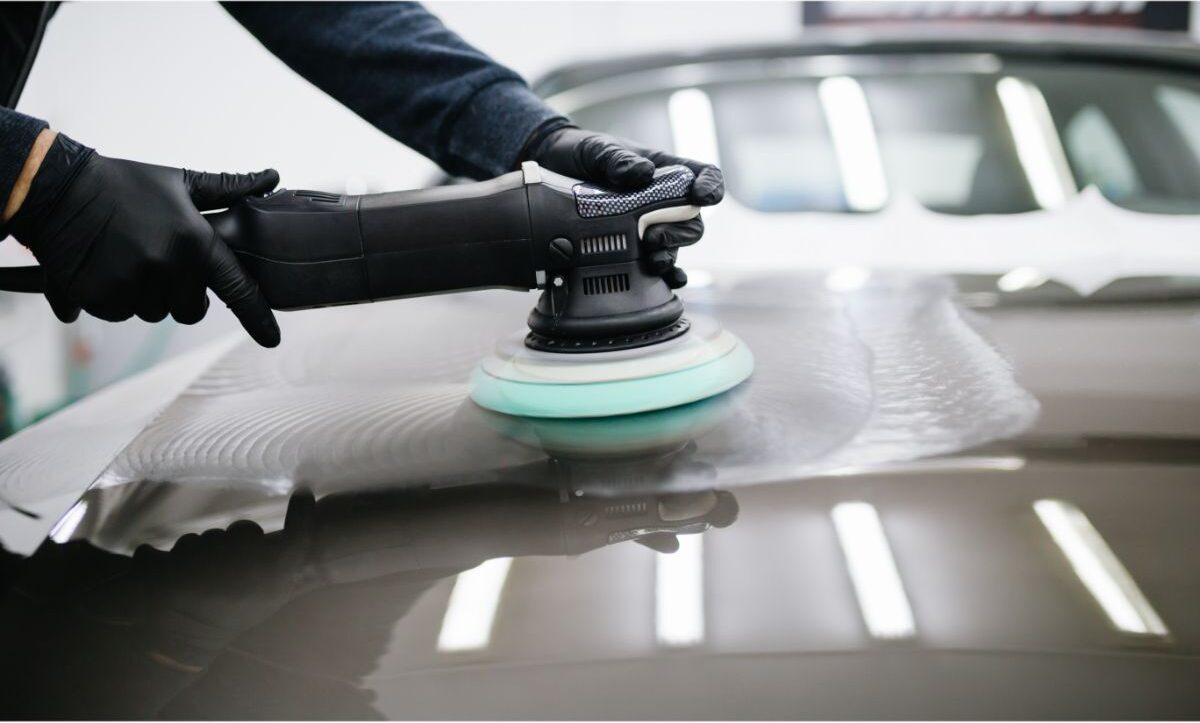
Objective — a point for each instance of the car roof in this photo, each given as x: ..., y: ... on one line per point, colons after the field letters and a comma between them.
x: 1130, y: 48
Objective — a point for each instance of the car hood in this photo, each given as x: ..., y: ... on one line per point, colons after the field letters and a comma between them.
x: 698, y: 562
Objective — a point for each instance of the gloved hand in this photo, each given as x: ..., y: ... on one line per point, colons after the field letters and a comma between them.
x: 609, y: 161
x: 119, y: 238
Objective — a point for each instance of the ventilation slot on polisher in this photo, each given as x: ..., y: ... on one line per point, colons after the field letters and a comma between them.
x: 604, y: 244
x: 610, y: 284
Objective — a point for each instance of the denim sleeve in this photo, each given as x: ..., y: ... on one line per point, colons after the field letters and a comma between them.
x: 396, y: 65
x: 17, y: 134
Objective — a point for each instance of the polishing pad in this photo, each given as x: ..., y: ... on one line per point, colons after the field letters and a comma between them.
x: 525, y: 382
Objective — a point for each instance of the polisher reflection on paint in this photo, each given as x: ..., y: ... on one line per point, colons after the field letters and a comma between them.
x: 607, y: 337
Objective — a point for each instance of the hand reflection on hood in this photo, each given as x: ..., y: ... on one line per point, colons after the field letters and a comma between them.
x: 286, y: 624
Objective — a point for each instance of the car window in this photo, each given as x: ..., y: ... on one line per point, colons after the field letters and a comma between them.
x: 1100, y: 157
x: 1183, y: 107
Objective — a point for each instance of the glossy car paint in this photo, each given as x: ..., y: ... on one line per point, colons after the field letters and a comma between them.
x: 416, y: 485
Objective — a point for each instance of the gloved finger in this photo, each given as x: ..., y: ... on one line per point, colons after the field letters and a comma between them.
x: 106, y: 311
x: 606, y: 161
x: 660, y: 262
x: 152, y: 313
x: 190, y: 304
x: 210, y: 191
x: 66, y: 310
x: 673, y: 235
x: 676, y: 278
x: 709, y: 187
x: 153, y: 303
x: 234, y: 286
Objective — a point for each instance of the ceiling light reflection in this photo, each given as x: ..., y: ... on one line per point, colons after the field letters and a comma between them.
x: 873, y: 572
x: 65, y: 527
x: 854, y: 142
x: 847, y: 278
x: 471, y: 611
x: 1038, y: 147
x: 1021, y: 278
x: 1098, y: 568
x: 693, y: 127
x: 679, y: 594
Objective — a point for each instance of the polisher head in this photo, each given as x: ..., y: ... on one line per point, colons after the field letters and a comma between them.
x: 701, y: 361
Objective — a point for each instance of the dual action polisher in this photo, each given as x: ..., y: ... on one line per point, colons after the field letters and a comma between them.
x: 606, y: 336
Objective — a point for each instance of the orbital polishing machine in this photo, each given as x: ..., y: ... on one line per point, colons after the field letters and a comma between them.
x: 606, y: 336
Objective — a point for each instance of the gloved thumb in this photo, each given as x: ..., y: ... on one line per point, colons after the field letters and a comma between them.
x: 608, y: 162
x: 211, y: 191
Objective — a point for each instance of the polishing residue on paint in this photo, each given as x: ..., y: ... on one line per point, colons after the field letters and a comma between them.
x: 891, y: 372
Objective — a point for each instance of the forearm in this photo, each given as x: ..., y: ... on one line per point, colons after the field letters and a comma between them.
x: 401, y: 69
x: 23, y: 143
x: 33, y: 161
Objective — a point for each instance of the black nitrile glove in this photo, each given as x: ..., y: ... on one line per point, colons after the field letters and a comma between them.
x: 609, y: 161
x: 119, y: 238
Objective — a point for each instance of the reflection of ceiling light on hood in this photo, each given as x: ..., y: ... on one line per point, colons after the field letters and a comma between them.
x: 693, y: 128
x: 847, y: 278
x: 1021, y: 278
x: 679, y: 594
x: 1038, y: 147
x: 854, y: 142
x: 873, y: 572
x: 471, y: 611
x: 65, y: 527
x: 1098, y: 568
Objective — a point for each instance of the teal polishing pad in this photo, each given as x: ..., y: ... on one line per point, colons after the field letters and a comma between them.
x: 524, y: 382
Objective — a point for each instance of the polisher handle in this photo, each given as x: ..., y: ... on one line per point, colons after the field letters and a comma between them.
x: 522, y: 230
x: 308, y: 249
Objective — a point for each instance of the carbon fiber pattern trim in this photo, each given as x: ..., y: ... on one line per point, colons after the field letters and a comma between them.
x: 670, y: 182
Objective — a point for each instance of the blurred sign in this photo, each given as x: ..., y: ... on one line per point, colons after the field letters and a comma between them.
x: 1142, y: 15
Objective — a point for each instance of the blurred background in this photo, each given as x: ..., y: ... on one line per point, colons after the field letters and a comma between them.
x: 839, y: 143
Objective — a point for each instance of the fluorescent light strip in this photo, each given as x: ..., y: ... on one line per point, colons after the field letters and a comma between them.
x: 873, y: 572
x: 854, y: 141
x: 693, y: 127
x: 471, y: 612
x: 1098, y: 568
x: 679, y: 594
x: 1038, y: 147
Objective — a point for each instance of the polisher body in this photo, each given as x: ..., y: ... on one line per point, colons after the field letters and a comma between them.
x: 530, y: 229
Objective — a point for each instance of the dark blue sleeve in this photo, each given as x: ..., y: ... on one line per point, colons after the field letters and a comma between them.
x: 17, y: 134
x: 396, y: 65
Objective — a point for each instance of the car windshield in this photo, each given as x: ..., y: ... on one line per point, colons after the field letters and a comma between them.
x: 969, y: 136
